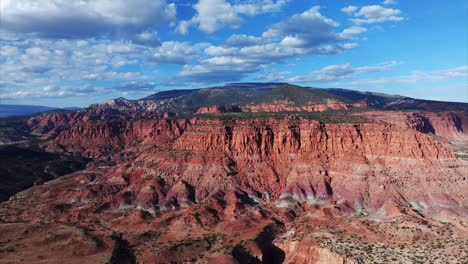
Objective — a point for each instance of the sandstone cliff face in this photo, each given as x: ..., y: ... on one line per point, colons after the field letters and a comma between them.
x: 452, y: 126
x: 218, y: 109
x: 302, y: 161
x: 293, y: 162
x: 313, y: 138
x: 94, y: 138
x: 51, y: 124
x: 304, y: 252
x: 288, y: 107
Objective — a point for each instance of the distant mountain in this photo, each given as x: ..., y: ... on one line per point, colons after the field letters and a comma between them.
x: 298, y: 95
x: 397, y: 102
x: 7, y: 110
x: 242, y: 94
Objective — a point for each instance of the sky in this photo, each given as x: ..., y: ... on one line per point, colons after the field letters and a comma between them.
x: 67, y: 53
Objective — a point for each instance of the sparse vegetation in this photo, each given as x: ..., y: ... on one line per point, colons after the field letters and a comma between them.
x: 329, y: 116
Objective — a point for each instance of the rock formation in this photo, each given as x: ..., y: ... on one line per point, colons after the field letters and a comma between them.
x: 220, y: 187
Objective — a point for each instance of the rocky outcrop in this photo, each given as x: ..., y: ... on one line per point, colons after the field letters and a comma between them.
x: 218, y: 109
x: 313, y: 138
x: 290, y: 107
x: 449, y: 125
x: 95, y: 138
x: 304, y: 252
x: 301, y: 161
x: 294, y: 163
x: 51, y: 124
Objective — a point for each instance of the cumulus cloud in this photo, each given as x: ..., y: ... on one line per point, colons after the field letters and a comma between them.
x: 349, y: 33
x: 213, y: 15
x: 45, y: 45
x: 233, y: 64
x: 86, y: 18
x: 242, y: 40
x: 310, y: 26
x: 56, y: 60
x: 218, y: 69
x: 174, y: 52
x: 146, y: 38
x: 220, y: 51
x: 31, y: 63
x: 183, y: 26
x: 305, y: 33
x: 376, y: 14
x: 349, y: 9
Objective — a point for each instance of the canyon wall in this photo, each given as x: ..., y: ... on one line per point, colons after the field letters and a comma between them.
x: 293, y: 162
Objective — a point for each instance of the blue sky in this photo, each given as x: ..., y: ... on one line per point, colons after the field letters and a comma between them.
x: 74, y: 53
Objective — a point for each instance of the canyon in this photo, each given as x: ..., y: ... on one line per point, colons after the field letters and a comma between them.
x: 247, y: 173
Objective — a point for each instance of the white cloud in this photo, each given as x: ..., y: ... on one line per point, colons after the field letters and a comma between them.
x: 290, y: 41
x: 309, y: 25
x: 183, y: 26
x: 8, y: 51
x: 233, y: 64
x: 308, y: 32
x: 349, y: 9
x: 349, y: 33
x: 213, y: 15
x: 174, y: 52
x: 220, y: 51
x: 376, y: 14
x: 339, y: 72
x: 146, y: 38
x: 242, y: 40
x: 29, y: 63
x: 85, y: 18
x: 389, y: 2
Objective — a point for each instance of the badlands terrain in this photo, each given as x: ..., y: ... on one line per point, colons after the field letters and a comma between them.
x: 244, y: 173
